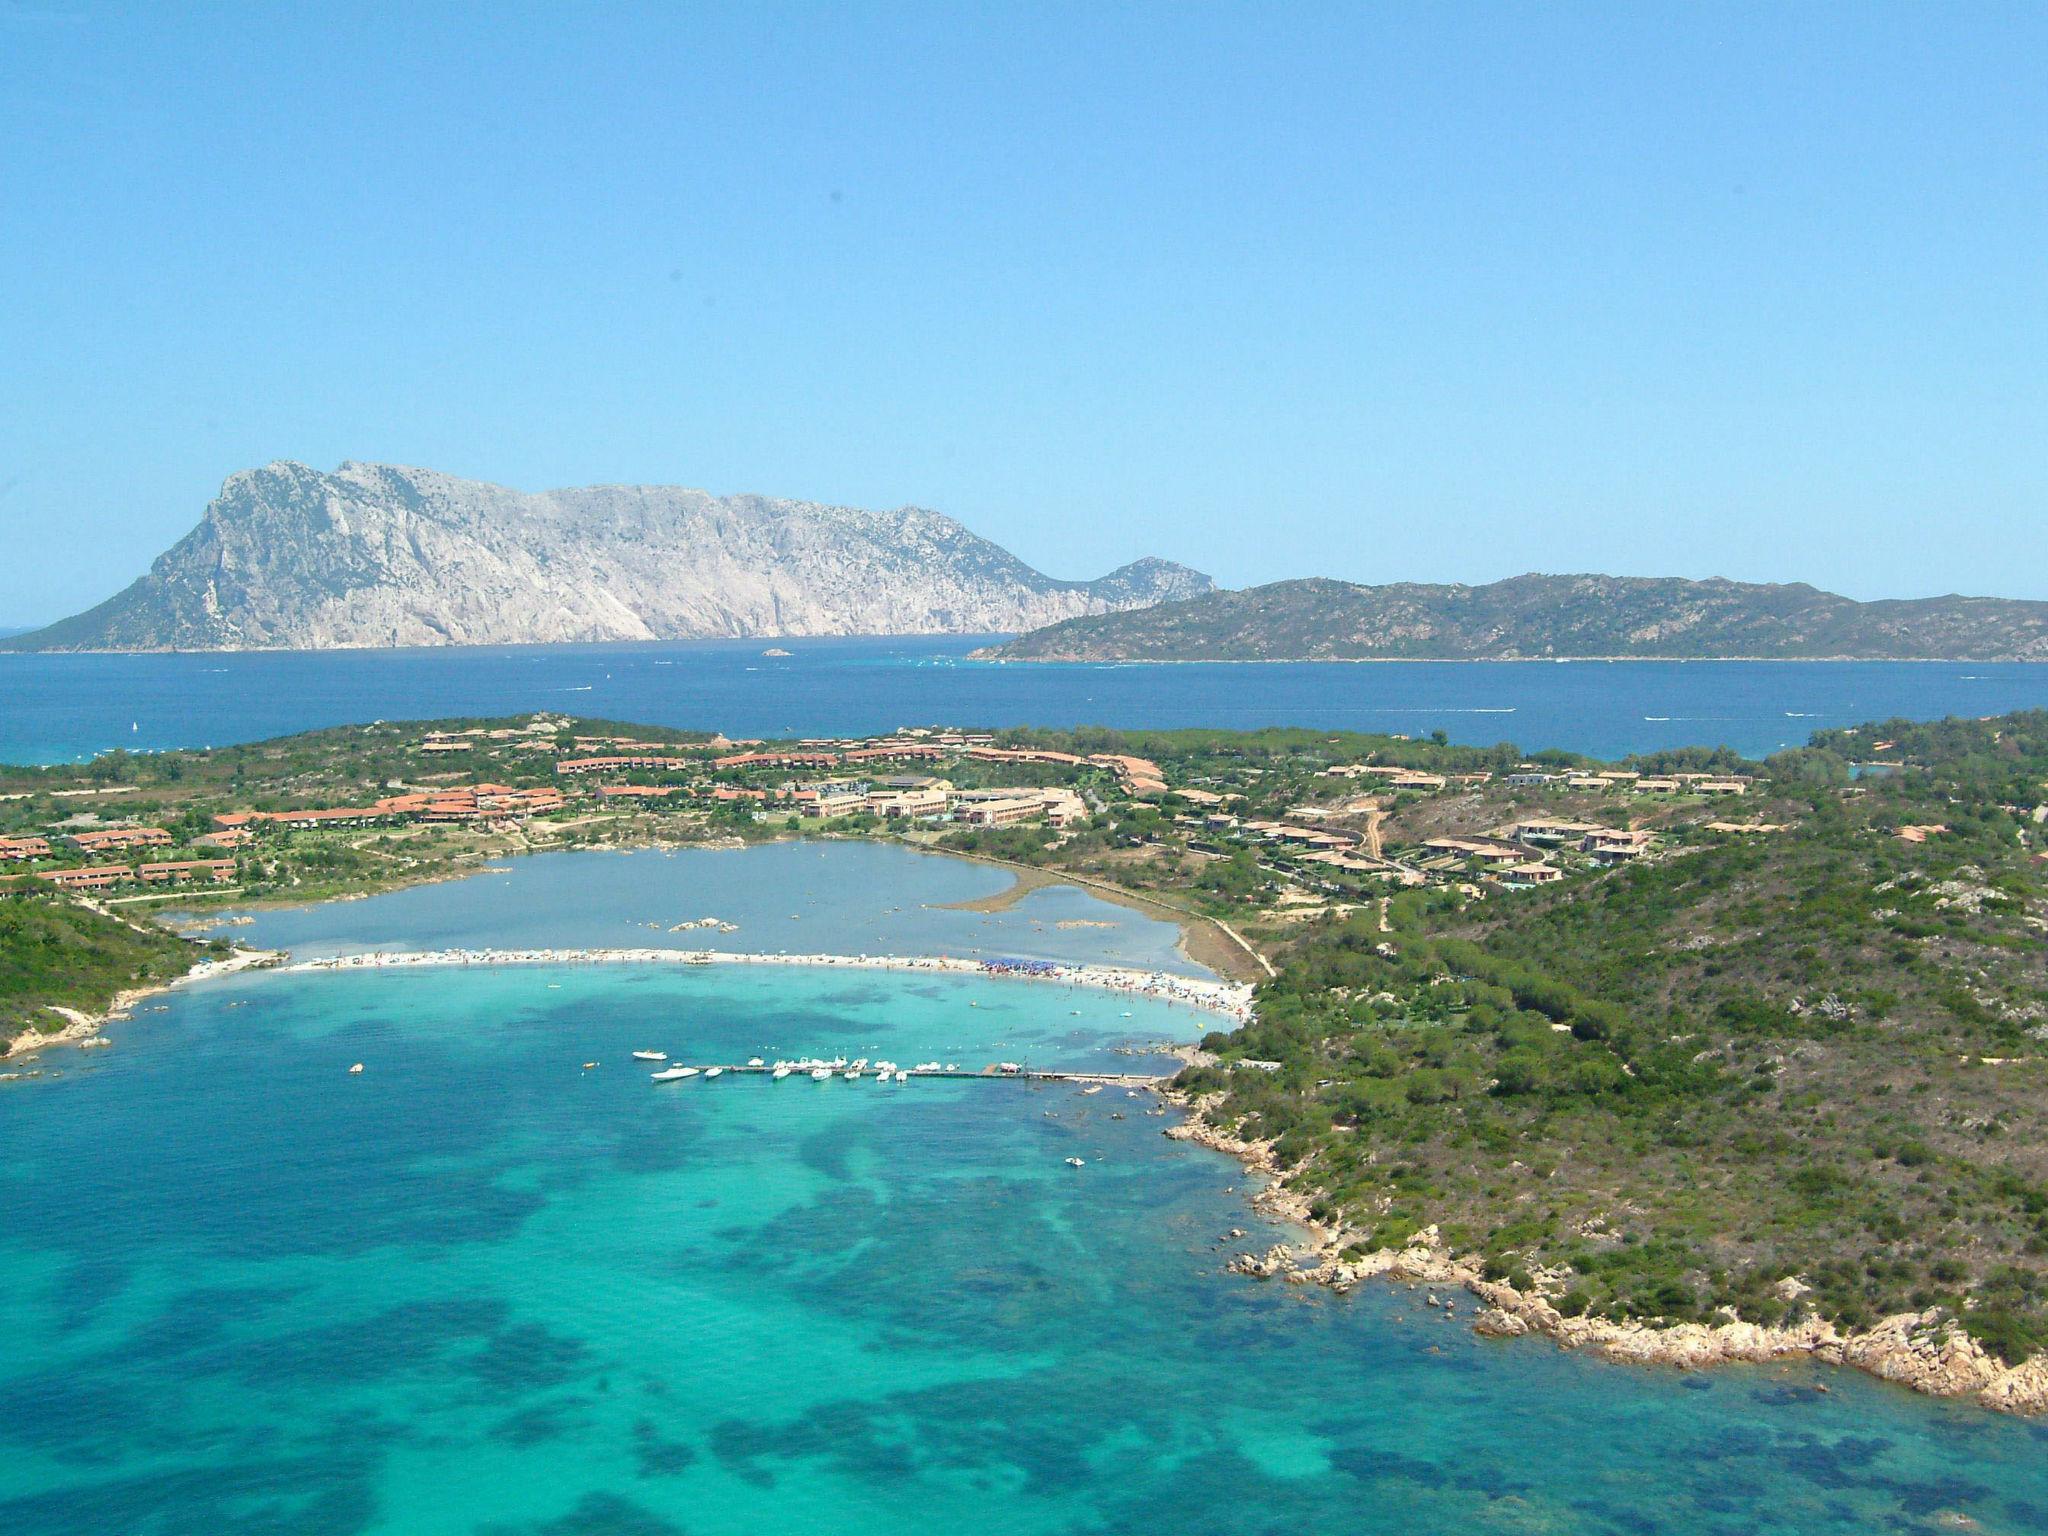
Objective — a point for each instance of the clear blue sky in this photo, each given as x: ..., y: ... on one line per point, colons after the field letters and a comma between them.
x: 1399, y: 292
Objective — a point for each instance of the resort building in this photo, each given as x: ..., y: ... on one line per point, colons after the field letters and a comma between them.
x: 643, y: 762
x: 908, y: 804
x: 1530, y: 874
x: 97, y: 877
x: 220, y: 871
x: 1610, y: 846
x: 119, y: 837
x: 1000, y: 813
x: 24, y: 848
x: 1544, y: 829
x: 1482, y: 849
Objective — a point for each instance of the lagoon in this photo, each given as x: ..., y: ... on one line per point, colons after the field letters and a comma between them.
x: 480, y: 1289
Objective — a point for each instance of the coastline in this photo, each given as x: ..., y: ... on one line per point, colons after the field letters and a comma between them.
x: 1916, y: 1350
x: 1442, y: 661
x: 84, y: 1028
x: 1207, y: 941
x: 1228, y: 999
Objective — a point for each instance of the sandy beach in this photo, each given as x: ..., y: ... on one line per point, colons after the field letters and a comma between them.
x: 1228, y: 999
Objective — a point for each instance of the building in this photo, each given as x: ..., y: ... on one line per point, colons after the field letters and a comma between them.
x: 1063, y: 807
x: 1544, y: 829
x: 643, y: 762
x: 908, y: 804
x: 97, y: 877
x: 1484, y: 850
x: 24, y: 848
x: 119, y: 837
x: 1001, y: 813
x: 1701, y: 784
x: 220, y: 871
x: 1534, y: 873
x: 1611, y: 846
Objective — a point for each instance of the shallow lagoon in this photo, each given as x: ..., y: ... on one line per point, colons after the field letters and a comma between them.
x: 478, y: 1289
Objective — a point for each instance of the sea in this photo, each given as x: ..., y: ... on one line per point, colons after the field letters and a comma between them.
x: 56, y: 708
x: 501, y: 1284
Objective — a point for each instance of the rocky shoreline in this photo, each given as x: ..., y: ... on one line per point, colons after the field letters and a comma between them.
x: 84, y: 1029
x: 1924, y: 1351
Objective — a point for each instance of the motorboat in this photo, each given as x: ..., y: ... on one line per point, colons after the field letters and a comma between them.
x: 672, y: 1074
x: 780, y: 1072
x: 650, y: 1055
x: 1076, y: 1162
x: 356, y: 1070
x: 755, y: 1061
x: 821, y: 1075
x: 711, y: 1072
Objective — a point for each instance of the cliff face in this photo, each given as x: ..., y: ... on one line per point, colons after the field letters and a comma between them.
x: 1544, y: 616
x: 287, y: 557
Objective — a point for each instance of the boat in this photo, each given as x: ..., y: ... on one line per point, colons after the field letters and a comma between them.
x: 588, y: 1065
x: 902, y: 1077
x: 822, y: 1075
x: 356, y: 1069
x: 1091, y: 1091
x: 779, y: 1073
x: 711, y: 1072
x: 852, y: 1073
x: 650, y: 1055
x: 755, y: 1061
x: 1075, y: 1162
x: 672, y: 1074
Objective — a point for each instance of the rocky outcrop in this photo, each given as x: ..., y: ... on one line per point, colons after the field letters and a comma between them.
x: 289, y: 557
x: 1925, y: 1351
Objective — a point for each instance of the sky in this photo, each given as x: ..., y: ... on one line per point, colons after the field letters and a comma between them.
x: 1430, y: 292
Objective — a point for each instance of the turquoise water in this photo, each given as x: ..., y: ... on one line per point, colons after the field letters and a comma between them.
x: 479, y: 1289
x: 60, y: 708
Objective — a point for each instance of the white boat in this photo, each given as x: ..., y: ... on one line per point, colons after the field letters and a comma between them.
x: 650, y: 1055
x: 902, y: 1077
x: 1075, y: 1162
x: 710, y: 1072
x: 780, y: 1073
x: 356, y: 1069
x: 672, y: 1074
x: 822, y: 1075
x: 755, y: 1061
x: 1089, y: 1091
x: 851, y: 1073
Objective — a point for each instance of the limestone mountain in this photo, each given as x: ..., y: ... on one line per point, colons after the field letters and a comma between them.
x: 288, y: 557
x: 1541, y: 617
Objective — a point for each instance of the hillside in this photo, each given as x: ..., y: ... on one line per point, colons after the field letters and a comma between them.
x: 287, y: 557
x: 1544, y: 617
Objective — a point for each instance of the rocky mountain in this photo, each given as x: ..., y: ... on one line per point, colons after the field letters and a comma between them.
x: 287, y: 557
x: 1544, y: 616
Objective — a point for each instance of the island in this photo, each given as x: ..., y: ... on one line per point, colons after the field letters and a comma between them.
x: 1686, y: 1058
x: 1543, y: 618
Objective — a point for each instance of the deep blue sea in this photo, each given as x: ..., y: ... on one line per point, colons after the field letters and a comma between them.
x: 61, y: 708
x: 480, y: 1289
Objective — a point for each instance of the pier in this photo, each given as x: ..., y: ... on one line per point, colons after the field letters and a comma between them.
x: 1140, y: 1080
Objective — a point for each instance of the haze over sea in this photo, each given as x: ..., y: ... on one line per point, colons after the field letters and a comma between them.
x: 61, y: 708
x: 480, y: 1289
